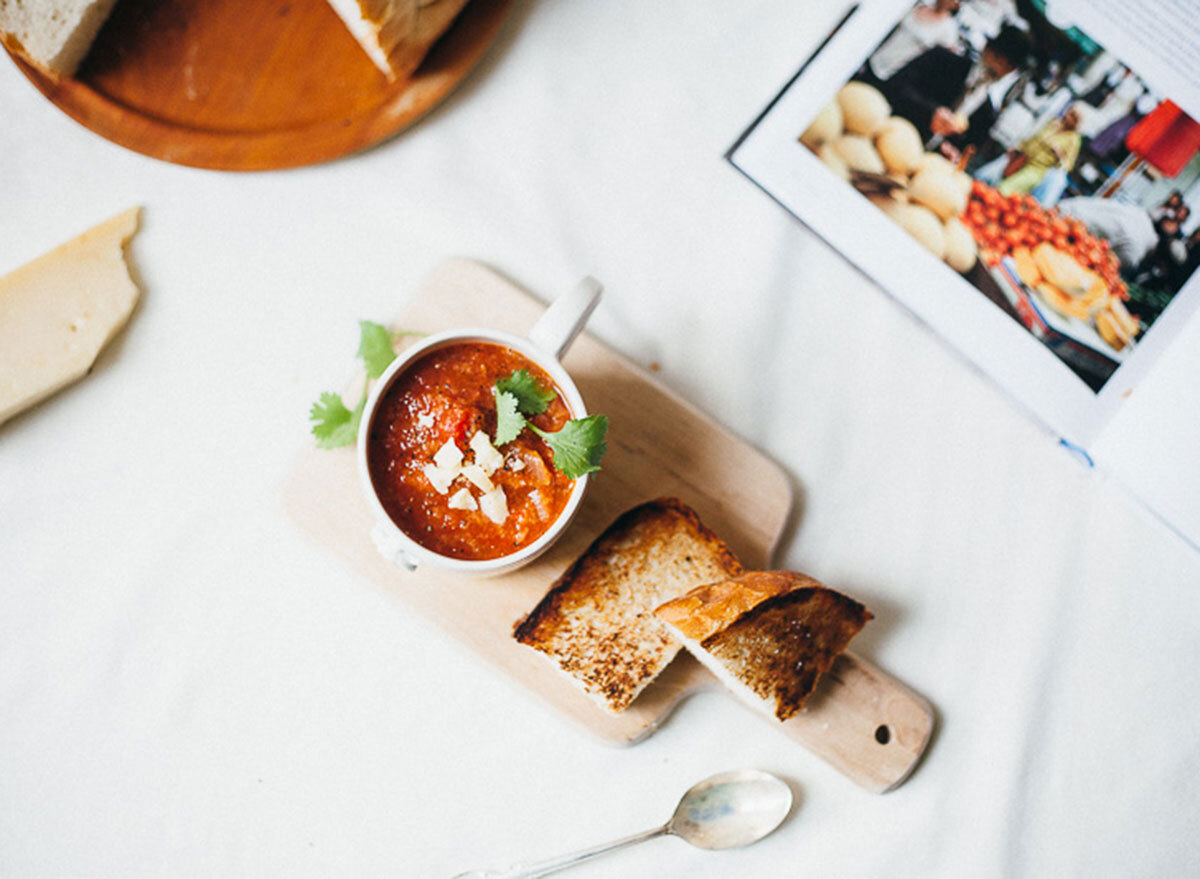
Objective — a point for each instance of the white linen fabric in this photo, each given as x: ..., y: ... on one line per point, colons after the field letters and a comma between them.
x: 189, y: 687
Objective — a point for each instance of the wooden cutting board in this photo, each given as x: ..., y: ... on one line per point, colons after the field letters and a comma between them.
x: 861, y: 720
x: 251, y: 85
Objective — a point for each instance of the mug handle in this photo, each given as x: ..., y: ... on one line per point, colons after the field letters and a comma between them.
x: 390, y: 548
x: 557, y: 328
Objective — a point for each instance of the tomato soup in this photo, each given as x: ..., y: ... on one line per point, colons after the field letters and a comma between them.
x: 434, y: 466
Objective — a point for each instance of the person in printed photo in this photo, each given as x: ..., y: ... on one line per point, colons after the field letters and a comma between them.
x: 1056, y: 147
x: 946, y: 94
x: 1170, y: 207
x: 926, y: 26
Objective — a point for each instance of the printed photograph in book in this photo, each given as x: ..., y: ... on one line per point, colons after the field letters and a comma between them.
x: 1033, y: 162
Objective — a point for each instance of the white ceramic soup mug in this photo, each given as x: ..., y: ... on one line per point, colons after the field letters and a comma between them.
x: 546, y: 344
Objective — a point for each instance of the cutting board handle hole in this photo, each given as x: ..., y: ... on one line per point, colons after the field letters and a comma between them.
x: 882, y: 734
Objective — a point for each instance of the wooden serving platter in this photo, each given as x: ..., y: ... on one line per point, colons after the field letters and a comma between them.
x: 861, y: 720
x: 250, y: 86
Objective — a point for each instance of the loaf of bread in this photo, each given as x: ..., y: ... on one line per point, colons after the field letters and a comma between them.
x: 767, y: 635
x: 53, y: 34
x: 597, y: 622
x: 397, y: 34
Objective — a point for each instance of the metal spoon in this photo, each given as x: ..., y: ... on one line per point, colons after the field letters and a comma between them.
x: 726, y: 811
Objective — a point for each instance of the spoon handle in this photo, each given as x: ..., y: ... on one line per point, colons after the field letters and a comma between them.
x: 529, y: 871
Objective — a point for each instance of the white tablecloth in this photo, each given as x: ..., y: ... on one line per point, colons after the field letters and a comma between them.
x: 188, y: 687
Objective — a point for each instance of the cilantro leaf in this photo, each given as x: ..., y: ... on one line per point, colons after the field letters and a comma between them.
x: 375, y: 347
x: 509, y: 422
x: 531, y: 397
x: 333, y: 424
x: 579, y: 446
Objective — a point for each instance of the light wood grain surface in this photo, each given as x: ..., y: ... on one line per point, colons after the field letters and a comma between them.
x: 658, y: 445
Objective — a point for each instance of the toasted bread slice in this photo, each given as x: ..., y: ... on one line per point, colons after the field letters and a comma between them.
x: 767, y: 635
x: 597, y: 621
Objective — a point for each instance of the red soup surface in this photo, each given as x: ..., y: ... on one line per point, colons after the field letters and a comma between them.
x: 446, y: 397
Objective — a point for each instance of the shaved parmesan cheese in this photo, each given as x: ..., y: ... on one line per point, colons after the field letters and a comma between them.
x: 462, y: 500
x: 440, y: 477
x: 515, y: 464
x: 495, y: 505
x: 475, y: 474
x: 449, y: 456
x: 425, y: 420
x: 539, y: 501
x: 486, y: 455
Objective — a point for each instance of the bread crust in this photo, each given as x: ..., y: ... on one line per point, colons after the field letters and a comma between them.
x: 597, y: 620
x: 708, y: 609
x: 776, y: 632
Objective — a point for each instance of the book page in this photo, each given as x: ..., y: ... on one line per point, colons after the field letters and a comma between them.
x: 1153, y: 443
x: 1021, y: 188
x: 1162, y: 35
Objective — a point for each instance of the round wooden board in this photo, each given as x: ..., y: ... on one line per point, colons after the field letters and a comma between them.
x: 253, y: 86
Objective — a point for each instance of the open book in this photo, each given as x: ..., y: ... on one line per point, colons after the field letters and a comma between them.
x: 1027, y: 181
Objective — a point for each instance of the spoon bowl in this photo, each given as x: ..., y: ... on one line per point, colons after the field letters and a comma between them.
x: 731, y: 810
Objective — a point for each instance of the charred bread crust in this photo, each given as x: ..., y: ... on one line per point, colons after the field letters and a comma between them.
x: 597, y: 621
x: 708, y: 609
x: 781, y: 646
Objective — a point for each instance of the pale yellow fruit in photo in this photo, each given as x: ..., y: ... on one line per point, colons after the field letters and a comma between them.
x: 826, y: 126
x: 965, y: 182
x: 940, y: 191
x: 890, y: 206
x: 924, y: 225
x: 960, y: 246
x: 899, y: 145
x: 864, y: 108
x: 834, y: 161
x: 858, y: 153
x: 935, y: 161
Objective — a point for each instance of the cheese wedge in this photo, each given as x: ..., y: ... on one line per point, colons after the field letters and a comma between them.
x: 53, y: 34
x: 58, y: 312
